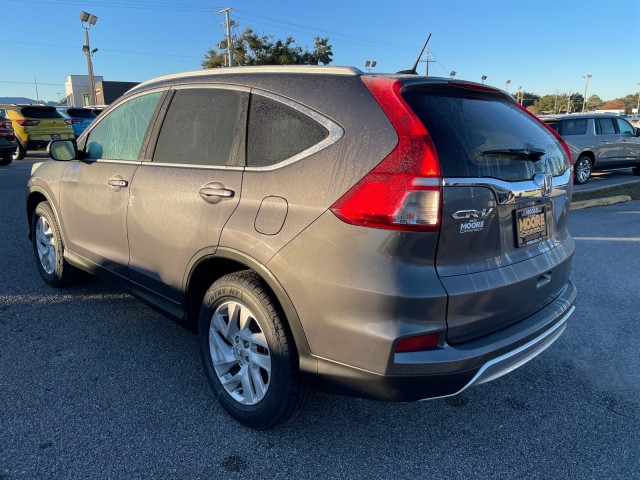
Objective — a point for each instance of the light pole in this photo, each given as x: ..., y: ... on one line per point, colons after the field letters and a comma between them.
x: 569, y: 103
x: 453, y: 74
x: 484, y: 77
x: 86, y: 20
x: 369, y: 64
x: 638, y: 106
x: 506, y: 87
x: 584, y: 100
x: 519, y: 94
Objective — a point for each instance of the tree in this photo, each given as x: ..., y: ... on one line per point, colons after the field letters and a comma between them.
x: 617, y: 104
x: 251, y: 48
x: 593, y: 102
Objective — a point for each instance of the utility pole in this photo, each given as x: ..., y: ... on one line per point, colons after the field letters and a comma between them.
x: 584, y: 99
x: 228, y: 25
x: 35, y: 81
x: 638, y: 106
x: 569, y: 103
x: 555, y: 102
x: 426, y: 59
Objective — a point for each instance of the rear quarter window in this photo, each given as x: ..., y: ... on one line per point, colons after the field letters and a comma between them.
x: 574, y: 127
x: 462, y: 127
x: 278, y: 132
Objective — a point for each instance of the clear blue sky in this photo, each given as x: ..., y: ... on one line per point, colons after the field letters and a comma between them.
x: 541, y: 45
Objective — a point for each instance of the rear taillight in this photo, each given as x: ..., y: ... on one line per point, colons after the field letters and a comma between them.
x: 73, y: 121
x: 28, y: 123
x: 403, y: 192
x: 553, y: 132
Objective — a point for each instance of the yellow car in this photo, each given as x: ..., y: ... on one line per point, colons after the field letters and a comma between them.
x: 35, y: 126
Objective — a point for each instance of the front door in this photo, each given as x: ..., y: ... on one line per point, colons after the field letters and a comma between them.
x: 94, y: 191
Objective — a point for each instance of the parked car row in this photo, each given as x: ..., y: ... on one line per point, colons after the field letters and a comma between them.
x: 598, y: 141
x: 34, y: 126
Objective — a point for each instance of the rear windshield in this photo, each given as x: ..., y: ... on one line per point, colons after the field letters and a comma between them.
x: 40, y: 112
x: 474, y: 137
x: 81, y: 113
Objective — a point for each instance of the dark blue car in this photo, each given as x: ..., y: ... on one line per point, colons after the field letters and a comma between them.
x: 80, y: 117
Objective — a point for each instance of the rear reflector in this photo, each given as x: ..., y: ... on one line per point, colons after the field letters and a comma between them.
x: 417, y: 343
x: 404, y: 191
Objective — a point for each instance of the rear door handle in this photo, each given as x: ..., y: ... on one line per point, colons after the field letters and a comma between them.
x: 113, y: 182
x: 207, y: 192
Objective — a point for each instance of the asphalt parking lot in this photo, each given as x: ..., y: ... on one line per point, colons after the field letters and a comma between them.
x: 94, y: 384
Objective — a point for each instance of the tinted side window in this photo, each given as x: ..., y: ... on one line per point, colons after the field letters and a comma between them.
x: 574, y: 127
x: 624, y: 127
x: 120, y: 134
x: 201, y: 127
x: 277, y: 132
x: 604, y: 126
x: 469, y: 133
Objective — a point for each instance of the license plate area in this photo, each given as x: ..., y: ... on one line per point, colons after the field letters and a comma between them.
x: 55, y: 137
x: 531, y: 225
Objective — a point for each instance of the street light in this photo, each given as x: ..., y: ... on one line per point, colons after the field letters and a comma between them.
x: 584, y: 99
x: 484, y: 77
x: 519, y: 94
x: 86, y: 20
x: 452, y: 73
x: 369, y: 64
x: 507, y: 85
x: 638, y: 106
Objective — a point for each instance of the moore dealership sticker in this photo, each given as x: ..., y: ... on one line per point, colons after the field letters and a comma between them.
x: 531, y: 225
x: 472, y: 226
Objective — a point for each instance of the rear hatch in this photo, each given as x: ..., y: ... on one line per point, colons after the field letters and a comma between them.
x: 45, y: 123
x: 504, y: 252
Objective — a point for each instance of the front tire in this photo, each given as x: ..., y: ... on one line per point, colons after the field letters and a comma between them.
x: 48, y: 248
x: 583, y: 169
x: 248, y: 352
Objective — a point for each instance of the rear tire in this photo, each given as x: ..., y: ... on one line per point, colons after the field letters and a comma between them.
x: 583, y: 169
x: 20, y: 152
x: 248, y: 352
x: 48, y: 248
x: 6, y: 160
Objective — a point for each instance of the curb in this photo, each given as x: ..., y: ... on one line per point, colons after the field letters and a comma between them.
x: 597, y: 202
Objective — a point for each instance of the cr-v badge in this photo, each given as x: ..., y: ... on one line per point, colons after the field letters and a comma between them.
x: 467, y: 214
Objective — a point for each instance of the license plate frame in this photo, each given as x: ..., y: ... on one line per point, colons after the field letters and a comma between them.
x: 531, y: 225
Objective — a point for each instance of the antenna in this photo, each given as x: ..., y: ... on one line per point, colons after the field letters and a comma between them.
x: 415, y: 65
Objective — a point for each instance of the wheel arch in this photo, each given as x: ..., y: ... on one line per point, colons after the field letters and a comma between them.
x: 35, y: 197
x: 210, y: 266
x: 590, y: 154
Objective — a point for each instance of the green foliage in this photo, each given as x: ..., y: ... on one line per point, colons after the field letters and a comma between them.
x: 251, y: 48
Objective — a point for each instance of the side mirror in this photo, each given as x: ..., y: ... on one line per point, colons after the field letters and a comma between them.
x: 62, y: 150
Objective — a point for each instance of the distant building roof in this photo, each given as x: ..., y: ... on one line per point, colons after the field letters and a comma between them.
x: 18, y: 100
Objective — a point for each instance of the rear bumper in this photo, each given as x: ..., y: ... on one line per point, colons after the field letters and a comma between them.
x: 450, y: 369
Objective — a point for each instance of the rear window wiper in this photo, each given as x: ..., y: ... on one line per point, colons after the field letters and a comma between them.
x: 532, y: 154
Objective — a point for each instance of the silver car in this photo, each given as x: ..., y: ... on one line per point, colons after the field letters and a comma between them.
x: 598, y: 142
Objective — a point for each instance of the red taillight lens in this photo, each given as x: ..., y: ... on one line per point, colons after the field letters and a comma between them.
x: 28, y: 123
x: 73, y: 121
x: 553, y: 132
x: 403, y: 192
x: 417, y: 343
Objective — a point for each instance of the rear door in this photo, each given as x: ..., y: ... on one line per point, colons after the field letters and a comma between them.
x: 507, y: 185
x: 181, y: 200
